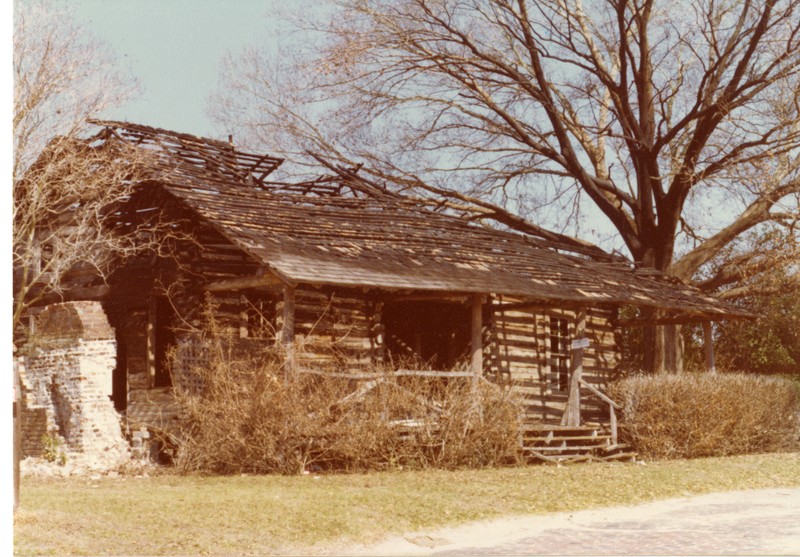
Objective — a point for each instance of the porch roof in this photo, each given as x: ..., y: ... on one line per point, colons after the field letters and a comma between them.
x: 395, y: 244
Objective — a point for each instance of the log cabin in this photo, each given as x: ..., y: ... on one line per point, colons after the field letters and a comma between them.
x: 363, y: 279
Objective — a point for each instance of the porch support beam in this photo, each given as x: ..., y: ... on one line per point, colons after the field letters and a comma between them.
x: 708, y: 345
x: 539, y: 306
x: 686, y: 319
x: 287, y: 330
x: 427, y: 296
x: 243, y: 328
x: 572, y: 413
x: 476, y: 346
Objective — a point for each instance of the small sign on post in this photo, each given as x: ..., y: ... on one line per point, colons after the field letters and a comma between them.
x: 579, y: 343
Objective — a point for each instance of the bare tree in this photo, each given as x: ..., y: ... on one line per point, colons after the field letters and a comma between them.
x: 677, y: 121
x: 65, y: 185
x: 62, y: 78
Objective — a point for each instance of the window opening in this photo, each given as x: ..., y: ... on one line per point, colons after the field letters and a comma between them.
x: 559, y: 353
x: 257, y: 316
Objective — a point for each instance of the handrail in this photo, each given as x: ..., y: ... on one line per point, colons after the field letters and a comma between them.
x: 599, y: 394
x: 395, y: 373
x: 611, y: 407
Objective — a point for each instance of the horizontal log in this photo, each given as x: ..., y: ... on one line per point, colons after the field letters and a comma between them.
x: 327, y: 332
x: 243, y: 282
x: 76, y: 294
x: 538, y: 307
x: 424, y: 296
x: 504, y: 341
x: 329, y: 312
x: 686, y: 319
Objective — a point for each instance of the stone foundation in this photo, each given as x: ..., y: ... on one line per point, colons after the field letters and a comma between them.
x: 66, y: 383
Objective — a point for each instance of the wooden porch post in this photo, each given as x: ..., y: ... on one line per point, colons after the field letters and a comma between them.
x: 243, y: 329
x: 572, y: 414
x: 287, y: 330
x: 476, y: 346
x: 708, y: 343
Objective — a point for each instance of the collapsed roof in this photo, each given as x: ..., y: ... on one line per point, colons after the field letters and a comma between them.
x: 320, y: 233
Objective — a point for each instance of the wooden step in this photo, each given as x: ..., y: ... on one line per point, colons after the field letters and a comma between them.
x: 569, y: 444
x: 565, y: 447
x: 571, y: 459
x: 603, y: 438
x: 560, y: 450
x: 561, y: 430
x: 618, y: 452
x: 560, y: 435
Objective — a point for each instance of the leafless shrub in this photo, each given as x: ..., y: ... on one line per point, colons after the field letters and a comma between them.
x: 698, y: 415
x: 426, y: 422
x: 248, y: 418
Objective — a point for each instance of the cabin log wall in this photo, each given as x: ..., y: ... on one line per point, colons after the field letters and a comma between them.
x: 342, y: 331
x: 337, y: 331
x: 521, y: 354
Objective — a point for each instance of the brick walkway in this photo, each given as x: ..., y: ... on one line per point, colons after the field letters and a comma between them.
x: 759, y: 522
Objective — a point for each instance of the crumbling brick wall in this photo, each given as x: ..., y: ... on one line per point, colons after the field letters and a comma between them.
x: 66, y: 382
x: 34, y: 418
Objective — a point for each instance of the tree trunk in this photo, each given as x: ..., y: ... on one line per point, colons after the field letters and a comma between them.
x: 673, y: 349
x: 17, y: 433
x: 653, y: 347
x: 663, y: 344
x: 652, y: 343
x: 662, y: 349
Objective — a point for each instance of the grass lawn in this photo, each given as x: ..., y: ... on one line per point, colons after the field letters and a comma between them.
x: 174, y: 515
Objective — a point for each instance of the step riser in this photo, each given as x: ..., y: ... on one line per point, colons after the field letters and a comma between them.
x: 556, y: 444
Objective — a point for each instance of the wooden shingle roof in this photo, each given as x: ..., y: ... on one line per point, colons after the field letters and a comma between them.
x: 393, y: 244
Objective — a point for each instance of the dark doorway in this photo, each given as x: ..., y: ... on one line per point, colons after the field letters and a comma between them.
x: 434, y: 334
x: 119, y: 377
x: 165, y: 340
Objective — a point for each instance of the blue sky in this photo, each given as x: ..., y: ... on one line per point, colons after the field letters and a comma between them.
x: 174, y: 48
